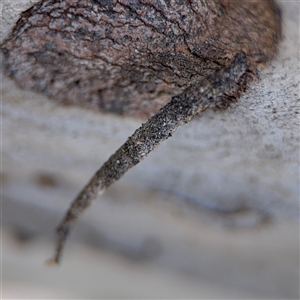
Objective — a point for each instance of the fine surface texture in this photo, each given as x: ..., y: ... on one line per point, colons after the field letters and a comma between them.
x: 212, y: 213
x: 210, y: 26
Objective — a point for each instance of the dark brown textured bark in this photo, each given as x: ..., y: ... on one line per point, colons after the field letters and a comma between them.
x: 131, y: 56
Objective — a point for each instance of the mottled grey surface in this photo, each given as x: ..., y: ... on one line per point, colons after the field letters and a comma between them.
x: 238, y: 168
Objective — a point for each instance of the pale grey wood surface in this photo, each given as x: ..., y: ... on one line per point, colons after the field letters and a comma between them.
x: 213, y: 211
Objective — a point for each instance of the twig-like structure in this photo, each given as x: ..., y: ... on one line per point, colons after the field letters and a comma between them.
x: 222, y: 87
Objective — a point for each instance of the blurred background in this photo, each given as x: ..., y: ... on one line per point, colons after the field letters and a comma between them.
x: 213, y: 213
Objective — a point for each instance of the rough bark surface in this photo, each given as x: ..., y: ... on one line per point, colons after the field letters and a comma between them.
x: 141, y: 46
x: 130, y: 57
x: 186, y: 196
